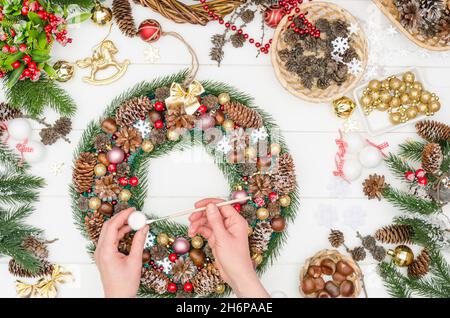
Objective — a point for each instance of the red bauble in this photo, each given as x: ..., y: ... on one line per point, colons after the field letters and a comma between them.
x: 123, y: 181
x: 420, y: 173
x: 112, y: 167
x: 273, y: 16
x: 173, y: 257
x: 150, y: 30
x: 172, y: 288
x: 422, y: 181
x: 159, y: 106
x: 237, y: 207
x: 202, y: 109
x: 410, y: 176
x: 188, y: 287
x: 273, y: 196
x: 134, y: 181
x: 159, y: 124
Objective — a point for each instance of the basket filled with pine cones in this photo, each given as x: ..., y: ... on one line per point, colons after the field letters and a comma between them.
x: 425, y: 22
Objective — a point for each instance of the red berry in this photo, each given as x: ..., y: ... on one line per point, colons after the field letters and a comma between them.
x: 12, y: 32
x: 172, y: 288
x: 420, y: 173
x: 112, y: 167
x: 159, y: 124
x: 5, y: 49
x: 202, y: 109
x: 24, y: 10
x: 188, y: 287
x: 409, y: 175
x: 12, y: 49
x: 32, y: 65
x: 237, y: 207
x: 26, y: 59
x: 16, y: 64
x: 159, y: 106
x: 134, y: 181
x: 273, y: 196
x: 22, y: 47
x: 26, y: 72
x: 3, y: 37
x: 123, y: 181
x: 114, y: 202
x: 422, y: 181
x: 173, y: 257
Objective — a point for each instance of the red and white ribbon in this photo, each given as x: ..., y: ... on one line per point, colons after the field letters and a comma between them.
x: 380, y: 147
x: 23, y: 148
x: 339, y: 158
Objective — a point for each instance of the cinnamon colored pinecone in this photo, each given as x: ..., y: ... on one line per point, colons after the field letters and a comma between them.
x: 176, y: 117
x: 183, y: 270
x: 421, y: 265
x: 284, y: 180
x: 260, y: 185
x: 395, y: 234
x: 155, y: 280
x: 373, y: 186
x: 129, y: 139
x: 358, y: 253
x: 336, y: 238
x: 243, y: 116
x: 93, y: 224
x: 45, y: 268
x: 83, y: 173
x: 260, y: 239
x: 433, y: 131
x: 132, y: 110
x: 432, y: 158
x: 207, y: 280
x: 35, y: 246
x: 7, y: 112
x: 106, y: 188
x: 123, y: 16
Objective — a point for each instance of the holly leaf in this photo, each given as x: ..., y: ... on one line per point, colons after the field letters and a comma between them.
x: 12, y: 58
x: 42, y: 41
x: 50, y: 71
x: 34, y: 18
x: 40, y: 58
x: 14, y: 76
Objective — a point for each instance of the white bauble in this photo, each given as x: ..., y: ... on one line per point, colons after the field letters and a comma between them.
x: 370, y: 157
x: 137, y: 220
x: 19, y: 129
x: 355, y: 142
x: 37, y: 153
x: 352, y: 169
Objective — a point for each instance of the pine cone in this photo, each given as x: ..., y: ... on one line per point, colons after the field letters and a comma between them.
x: 49, y: 136
x: 237, y: 40
x: 35, y: 246
x: 247, y: 15
x: 378, y: 253
x: 129, y: 139
x: 247, y: 169
x: 183, y: 270
x: 260, y: 239
x: 106, y: 188
x: 125, y: 243
x: 207, y: 280
x: 274, y: 208
x: 93, y: 223
x: 83, y: 203
x: 132, y: 110
x: 373, y: 187
x: 7, y: 112
x: 102, y: 142
x: 176, y: 117
x: 216, y: 54
x: 162, y: 93
x: 158, y: 137
x: 336, y: 238
x: 248, y: 212
x: 83, y: 172
x: 433, y: 131
x: 243, y: 116
x: 395, y: 234
x: 123, y: 16
x: 421, y: 265
x: 368, y: 242
x: 45, y: 268
x: 284, y: 179
x: 63, y: 126
x: 158, y: 252
x: 432, y: 158
x: 122, y: 170
x: 358, y: 253
x: 210, y: 101
x: 260, y: 185
x: 155, y: 280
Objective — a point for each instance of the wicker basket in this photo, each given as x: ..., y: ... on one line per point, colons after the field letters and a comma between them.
x: 291, y: 82
x: 335, y: 256
x: 390, y: 11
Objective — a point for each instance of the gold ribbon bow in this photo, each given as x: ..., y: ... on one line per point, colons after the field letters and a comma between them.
x: 187, y: 98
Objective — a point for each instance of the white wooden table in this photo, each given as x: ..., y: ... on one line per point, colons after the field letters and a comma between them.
x: 310, y: 131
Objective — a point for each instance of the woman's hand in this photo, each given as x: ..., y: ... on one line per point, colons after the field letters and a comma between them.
x: 120, y: 273
x: 227, y: 234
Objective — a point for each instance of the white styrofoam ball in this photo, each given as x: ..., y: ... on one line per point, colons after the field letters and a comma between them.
x: 355, y: 142
x: 19, y: 129
x: 352, y: 169
x: 370, y: 157
x: 137, y: 220
x: 36, y: 153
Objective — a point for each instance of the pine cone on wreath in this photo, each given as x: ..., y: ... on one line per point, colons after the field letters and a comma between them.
x: 35, y: 246
x: 122, y: 170
x: 432, y: 158
x: 7, y: 112
x: 243, y: 116
x: 247, y: 169
x: 183, y: 270
x: 433, y: 131
x: 274, y: 208
x: 45, y: 268
x: 155, y: 280
x: 336, y: 238
x: 395, y: 234
x: 63, y: 126
x: 283, y: 178
x: 125, y: 244
x: 132, y: 110
x: 123, y: 16
x: 102, y: 142
x: 260, y: 185
x: 129, y: 139
x: 176, y: 117
x: 373, y: 186
x: 358, y: 253
x: 106, y: 188
x: 93, y: 224
x: 248, y: 212
x: 162, y: 93
x: 158, y: 252
x: 421, y: 265
x: 158, y: 137
x: 83, y: 172
x: 210, y: 101
x: 260, y: 239
x: 207, y: 280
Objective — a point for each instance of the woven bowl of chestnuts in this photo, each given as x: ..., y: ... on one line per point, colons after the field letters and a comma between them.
x: 329, y: 274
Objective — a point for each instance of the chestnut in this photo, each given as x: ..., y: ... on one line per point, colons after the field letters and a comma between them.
x: 332, y: 289
x: 339, y: 278
x: 319, y: 283
x: 323, y: 294
x: 308, y: 285
x: 343, y: 268
x: 314, y: 271
x: 327, y: 266
x: 347, y: 288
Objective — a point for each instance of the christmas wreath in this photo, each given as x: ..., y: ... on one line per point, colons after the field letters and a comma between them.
x: 149, y: 121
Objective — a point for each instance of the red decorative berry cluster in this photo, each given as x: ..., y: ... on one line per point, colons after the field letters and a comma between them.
x: 419, y: 176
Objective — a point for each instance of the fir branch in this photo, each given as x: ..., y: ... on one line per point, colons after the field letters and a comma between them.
x: 10, y: 160
x: 393, y: 281
x: 19, y: 188
x: 412, y: 150
x: 84, y: 4
x: 398, y: 166
x: 410, y: 203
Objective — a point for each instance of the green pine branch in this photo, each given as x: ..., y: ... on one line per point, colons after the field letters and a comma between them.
x: 84, y: 4
x: 410, y: 203
x: 412, y: 150
x: 19, y: 188
x: 10, y: 160
x: 398, y: 166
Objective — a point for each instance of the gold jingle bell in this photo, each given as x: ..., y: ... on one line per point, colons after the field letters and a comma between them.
x: 100, y: 14
x: 197, y: 242
x: 63, y: 71
x: 162, y: 239
x: 343, y: 107
x: 402, y: 255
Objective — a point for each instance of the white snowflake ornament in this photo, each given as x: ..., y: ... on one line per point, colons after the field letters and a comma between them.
x: 337, y: 57
x: 354, y: 66
x: 391, y: 30
x: 259, y: 134
x: 143, y: 127
x: 166, y: 265
x: 340, y: 45
x: 57, y: 168
x: 150, y: 240
x: 224, y: 145
x: 151, y: 54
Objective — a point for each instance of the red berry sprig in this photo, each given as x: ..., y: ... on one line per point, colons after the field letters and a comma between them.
x: 419, y: 175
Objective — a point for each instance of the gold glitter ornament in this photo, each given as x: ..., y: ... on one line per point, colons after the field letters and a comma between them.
x: 94, y: 203
x: 395, y: 118
x: 262, y: 213
x: 382, y: 107
x: 412, y: 112
x: 343, y: 107
x: 395, y: 102
x: 418, y: 86
x: 220, y: 289
x: 385, y: 96
x: 224, y: 98
x: 100, y: 170
x: 425, y: 97
x: 409, y: 77
x: 124, y: 195
x: 64, y: 71
x: 434, y: 107
x: 147, y: 146
x: 228, y: 125
x: 414, y: 94
x: 402, y: 255
x: 395, y: 83
x: 100, y: 14
x: 163, y: 239
x: 374, y: 85
x: 366, y: 100
x: 402, y: 88
x: 197, y: 242
x: 422, y: 108
x: 173, y: 135
x: 404, y: 99
x: 285, y: 201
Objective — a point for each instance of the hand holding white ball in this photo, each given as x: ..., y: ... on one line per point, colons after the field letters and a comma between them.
x: 137, y: 220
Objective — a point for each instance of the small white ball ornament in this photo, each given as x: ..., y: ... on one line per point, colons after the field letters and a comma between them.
x: 352, y: 169
x: 355, y: 142
x: 36, y: 153
x: 19, y: 129
x: 137, y: 220
x: 370, y: 157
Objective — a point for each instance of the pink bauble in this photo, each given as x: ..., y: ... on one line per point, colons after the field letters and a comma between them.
x: 273, y: 16
x: 115, y: 155
x: 181, y: 245
x: 205, y: 122
x: 150, y: 30
x: 240, y: 194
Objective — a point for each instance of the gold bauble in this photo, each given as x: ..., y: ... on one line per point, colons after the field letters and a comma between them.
x: 409, y: 77
x: 395, y: 83
x: 402, y: 88
x: 404, y: 99
x: 173, y: 135
x: 275, y: 149
x: 251, y: 153
x: 366, y: 100
x: 414, y: 94
x: 220, y: 289
x: 382, y: 107
x: 224, y: 98
x: 395, y: 102
x: 395, y: 118
x: 425, y: 97
x: 197, y: 242
x: 262, y: 213
x: 402, y: 255
x: 374, y: 85
x: 285, y: 201
x: 375, y: 95
x: 94, y: 203
x: 228, y: 125
x: 385, y: 96
x: 412, y: 112
x: 257, y: 258
x: 423, y: 108
x: 147, y: 146
x: 385, y: 84
x: 418, y: 86
x: 343, y: 107
x: 101, y: 15
x: 100, y: 170
x: 434, y: 107
x: 163, y: 239
x: 64, y: 71
x: 124, y: 195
